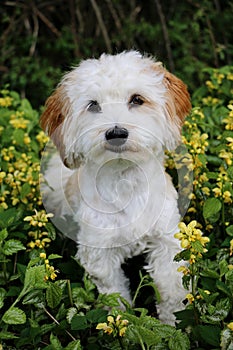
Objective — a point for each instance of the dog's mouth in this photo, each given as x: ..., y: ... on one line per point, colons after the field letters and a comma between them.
x: 119, y: 147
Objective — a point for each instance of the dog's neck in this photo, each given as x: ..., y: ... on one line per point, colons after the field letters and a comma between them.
x: 118, y: 180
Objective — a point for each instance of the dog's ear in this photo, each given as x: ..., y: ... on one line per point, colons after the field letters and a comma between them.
x: 178, y: 99
x: 57, y: 109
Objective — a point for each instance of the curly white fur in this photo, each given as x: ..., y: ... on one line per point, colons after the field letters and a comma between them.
x: 111, y: 120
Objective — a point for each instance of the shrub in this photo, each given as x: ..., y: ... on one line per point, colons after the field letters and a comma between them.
x: 44, y: 306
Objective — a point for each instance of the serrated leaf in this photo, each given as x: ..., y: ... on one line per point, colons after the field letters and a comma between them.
x: 110, y: 300
x: 72, y: 311
x: 14, y: 316
x: 179, y: 341
x: 53, y: 295
x: 35, y: 296
x: 7, y: 217
x: 3, y: 234
x: 149, y: 337
x: 12, y: 246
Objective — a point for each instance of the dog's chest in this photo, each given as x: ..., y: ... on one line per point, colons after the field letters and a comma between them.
x: 118, y: 197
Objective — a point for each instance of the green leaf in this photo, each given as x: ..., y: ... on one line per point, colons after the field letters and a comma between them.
x: 211, y: 209
x: 226, y: 339
x: 229, y: 230
x: 25, y: 190
x: 35, y: 296
x: 55, y: 342
x: 149, y: 337
x: 96, y: 316
x: 109, y: 300
x: 12, y: 246
x: 3, y: 234
x: 179, y: 341
x: 7, y: 217
x: 79, y: 322
x: 222, y: 286
x: 230, y: 172
x: 72, y: 311
x: 53, y: 294
x: 2, y: 296
x: 14, y: 316
x: 18, y: 136
x: 197, y: 246
x: 54, y: 256
x: 7, y: 335
x: 74, y: 345
x: 51, y: 231
x: 209, y: 334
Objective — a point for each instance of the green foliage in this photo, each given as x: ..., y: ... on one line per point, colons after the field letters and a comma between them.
x: 44, y: 305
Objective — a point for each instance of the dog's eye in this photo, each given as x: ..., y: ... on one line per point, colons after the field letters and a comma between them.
x: 94, y: 107
x: 136, y: 100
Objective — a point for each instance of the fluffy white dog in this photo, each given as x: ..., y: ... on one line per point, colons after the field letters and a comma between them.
x: 111, y: 120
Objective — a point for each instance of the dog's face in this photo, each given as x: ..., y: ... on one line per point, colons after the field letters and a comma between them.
x: 116, y: 106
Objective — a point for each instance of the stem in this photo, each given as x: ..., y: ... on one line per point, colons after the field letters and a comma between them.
x: 70, y: 293
x: 120, y: 342
x: 56, y: 321
x: 137, y: 290
x: 193, y: 286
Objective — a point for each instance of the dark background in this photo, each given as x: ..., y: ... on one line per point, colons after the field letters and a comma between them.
x: 41, y: 39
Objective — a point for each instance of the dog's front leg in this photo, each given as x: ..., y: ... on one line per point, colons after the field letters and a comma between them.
x: 163, y: 270
x: 104, y: 267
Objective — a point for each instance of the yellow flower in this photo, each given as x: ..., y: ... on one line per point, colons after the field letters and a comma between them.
x: 115, y: 326
x: 6, y: 101
x: 206, y: 191
x: 231, y: 247
x: 217, y: 192
x: 107, y: 329
x: 19, y: 123
x: 190, y: 297
x: 43, y: 255
x: 227, y: 197
x: 183, y: 269
x: 230, y: 326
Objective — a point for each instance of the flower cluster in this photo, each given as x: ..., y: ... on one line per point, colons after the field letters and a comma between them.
x: 192, y: 240
x: 115, y: 326
x: 51, y: 273
x: 19, y: 164
x: 40, y: 237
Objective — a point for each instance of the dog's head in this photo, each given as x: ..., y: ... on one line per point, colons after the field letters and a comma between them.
x: 123, y: 105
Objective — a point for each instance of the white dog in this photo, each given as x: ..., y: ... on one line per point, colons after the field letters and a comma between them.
x: 111, y: 120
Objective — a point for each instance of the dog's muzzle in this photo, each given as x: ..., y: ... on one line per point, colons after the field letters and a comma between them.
x: 116, y: 136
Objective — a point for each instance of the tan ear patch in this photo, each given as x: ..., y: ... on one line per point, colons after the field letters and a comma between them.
x: 178, y: 96
x: 57, y: 108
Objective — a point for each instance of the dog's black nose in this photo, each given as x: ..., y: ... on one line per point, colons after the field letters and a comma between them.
x: 116, y: 136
